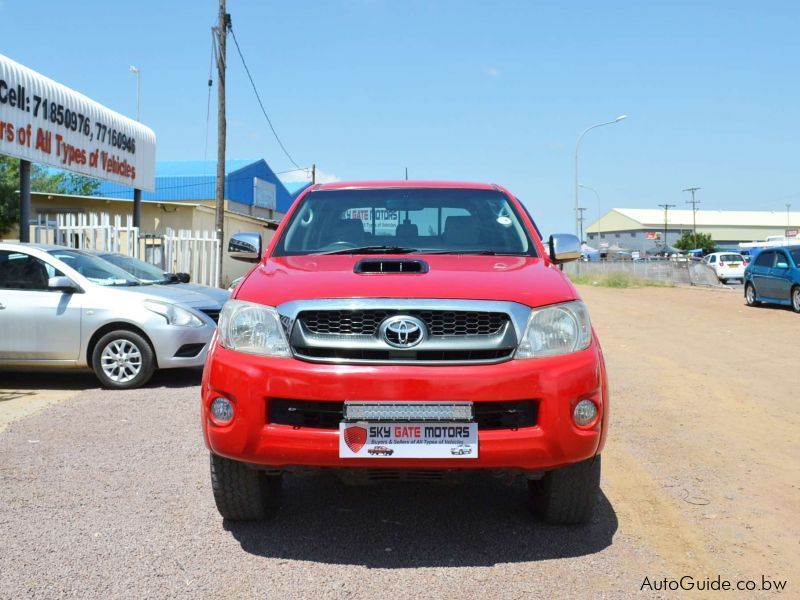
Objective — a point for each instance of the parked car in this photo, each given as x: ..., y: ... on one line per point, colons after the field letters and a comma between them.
x: 460, y: 450
x: 65, y: 308
x: 774, y: 277
x: 380, y: 451
x: 378, y: 302
x: 147, y: 273
x: 727, y: 265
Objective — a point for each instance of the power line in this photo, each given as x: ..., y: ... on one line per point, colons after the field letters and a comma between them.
x: 212, y: 54
x: 261, y: 104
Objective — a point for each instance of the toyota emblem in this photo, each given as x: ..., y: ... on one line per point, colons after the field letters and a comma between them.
x: 402, y: 331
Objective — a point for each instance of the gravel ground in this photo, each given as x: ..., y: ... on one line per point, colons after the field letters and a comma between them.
x: 106, y: 494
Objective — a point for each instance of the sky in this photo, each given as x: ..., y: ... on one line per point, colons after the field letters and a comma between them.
x: 459, y: 90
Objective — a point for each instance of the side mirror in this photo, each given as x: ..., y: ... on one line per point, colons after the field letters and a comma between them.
x: 564, y: 247
x: 245, y: 246
x: 183, y: 277
x: 62, y: 284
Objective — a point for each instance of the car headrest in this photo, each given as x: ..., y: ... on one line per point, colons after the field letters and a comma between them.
x: 407, y: 231
x: 351, y: 230
x: 460, y: 231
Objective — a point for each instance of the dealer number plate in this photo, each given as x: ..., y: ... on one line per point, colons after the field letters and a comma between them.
x: 362, y: 439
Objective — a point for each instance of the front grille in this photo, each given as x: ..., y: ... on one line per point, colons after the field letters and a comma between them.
x: 438, y: 322
x: 401, y: 356
x: 211, y: 312
x: 317, y: 414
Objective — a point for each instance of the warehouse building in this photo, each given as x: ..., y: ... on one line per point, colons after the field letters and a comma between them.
x: 642, y: 229
x: 251, y: 186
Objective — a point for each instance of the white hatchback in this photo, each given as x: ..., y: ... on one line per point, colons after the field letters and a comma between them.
x: 727, y: 265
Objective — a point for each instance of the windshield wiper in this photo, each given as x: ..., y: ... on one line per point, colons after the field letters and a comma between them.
x: 373, y: 250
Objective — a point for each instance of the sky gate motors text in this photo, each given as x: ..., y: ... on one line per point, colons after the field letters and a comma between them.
x: 419, y: 431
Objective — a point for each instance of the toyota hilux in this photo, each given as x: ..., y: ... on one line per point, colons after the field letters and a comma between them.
x: 387, y: 323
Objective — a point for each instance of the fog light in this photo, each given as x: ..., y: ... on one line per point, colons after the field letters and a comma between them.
x: 222, y: 410
x: 585, y: 413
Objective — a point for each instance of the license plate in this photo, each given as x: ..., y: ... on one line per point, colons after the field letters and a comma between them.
x: 734, y: 265
x: 362, y: 439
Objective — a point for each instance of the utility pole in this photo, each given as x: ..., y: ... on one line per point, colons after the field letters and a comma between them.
x: 222, y: 35
x: 666, y: 208
x: 406, y: 173
x: 313, y: 173
x: 581, y: 209
x: 694, y: 204
x: 788, y: 218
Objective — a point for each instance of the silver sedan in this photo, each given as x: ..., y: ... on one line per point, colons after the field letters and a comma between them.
x: 66, y: 308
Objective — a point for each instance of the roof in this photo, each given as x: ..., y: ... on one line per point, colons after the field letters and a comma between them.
x: 707, y: 218
x: 401, y: 183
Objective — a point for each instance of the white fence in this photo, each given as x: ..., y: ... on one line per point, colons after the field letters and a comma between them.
x: 181, y: 251
x: 88, y: 232
x: 193, y: 253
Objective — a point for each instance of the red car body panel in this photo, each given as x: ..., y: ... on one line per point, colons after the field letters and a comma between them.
x: 556, y: 383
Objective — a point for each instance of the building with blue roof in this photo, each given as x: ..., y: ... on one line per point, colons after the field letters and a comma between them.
x: 251, y: 186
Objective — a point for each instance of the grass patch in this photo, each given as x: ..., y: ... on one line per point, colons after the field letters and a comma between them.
x: 617, y: 280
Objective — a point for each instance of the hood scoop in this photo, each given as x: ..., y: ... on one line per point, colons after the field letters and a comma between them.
x: 371, y: 266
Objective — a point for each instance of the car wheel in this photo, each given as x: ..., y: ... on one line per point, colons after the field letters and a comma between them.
x: 123, y: 360
x: 723, y: 281
x: 566, y: 496
x: 242, y: 493
x: 796, y: 298
x: 750, y: 295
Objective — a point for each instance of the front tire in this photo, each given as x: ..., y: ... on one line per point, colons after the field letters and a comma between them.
x: 242, y: 493
x: 567, y: 496
x: 123, y: 360
x: 750, y: 295
x: 796, y: 298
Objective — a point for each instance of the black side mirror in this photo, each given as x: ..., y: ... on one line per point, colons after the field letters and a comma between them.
x: 183, y: 277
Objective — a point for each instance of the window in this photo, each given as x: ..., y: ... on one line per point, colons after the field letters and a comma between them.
x: 712, y: 259
x: 406, y: 220
x: 633, y: 234
x: 765, y: 259
x: 591, y: 236
x: 19, y: 271
x: 616, y: 235
x: 796, y: 257
x: 95, y: 269
x: 781, y: 261
x: 603, y: 236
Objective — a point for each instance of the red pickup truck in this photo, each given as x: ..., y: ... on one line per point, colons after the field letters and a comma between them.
x: 411, y: 330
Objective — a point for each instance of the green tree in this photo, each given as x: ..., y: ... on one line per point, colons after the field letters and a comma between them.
x: 687, y: 241
x: 42, y: 180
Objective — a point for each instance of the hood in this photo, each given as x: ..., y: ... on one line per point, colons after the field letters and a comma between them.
x: 526, y: 280
x: 176, y: 294
x: 218, y: 295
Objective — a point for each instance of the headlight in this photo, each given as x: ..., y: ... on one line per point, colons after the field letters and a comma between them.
x: 252, y: 328
x: 175, y: 315
x: 554, y: 330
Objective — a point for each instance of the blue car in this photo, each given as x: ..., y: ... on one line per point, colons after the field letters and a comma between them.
x: 774, y: 277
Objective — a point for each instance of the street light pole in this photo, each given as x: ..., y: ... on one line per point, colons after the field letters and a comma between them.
x: 599, y: 215
x: 788, y: 218
x: 694, y: 204
x: 135, y: 71
x: 577, y: 148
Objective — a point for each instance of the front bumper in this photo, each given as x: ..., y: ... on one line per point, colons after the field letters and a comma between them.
x: 168, y: 340
x: 555, y: 383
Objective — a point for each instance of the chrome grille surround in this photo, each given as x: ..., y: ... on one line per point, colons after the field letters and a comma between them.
x: 453, y: 342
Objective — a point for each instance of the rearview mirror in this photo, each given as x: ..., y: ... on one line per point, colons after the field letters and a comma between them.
x: 183, y: 277
x: 564, y: 247
x: 245, y: 246
x: 62, y: 284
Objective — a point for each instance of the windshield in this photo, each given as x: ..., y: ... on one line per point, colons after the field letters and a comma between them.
x: 731, y: 258
x: 95, y: 269
x: 405, y: 220
x: 143, y: 271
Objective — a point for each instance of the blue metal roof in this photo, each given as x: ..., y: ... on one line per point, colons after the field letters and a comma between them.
x: 196, y: 180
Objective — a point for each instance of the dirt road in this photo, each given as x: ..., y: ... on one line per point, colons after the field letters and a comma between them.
x: 106, y: 493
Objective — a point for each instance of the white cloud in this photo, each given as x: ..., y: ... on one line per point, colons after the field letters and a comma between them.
x: 305, y: 175
x: 492, y: 72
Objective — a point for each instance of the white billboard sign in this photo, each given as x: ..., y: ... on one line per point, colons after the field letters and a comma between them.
x: 45, y: 122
